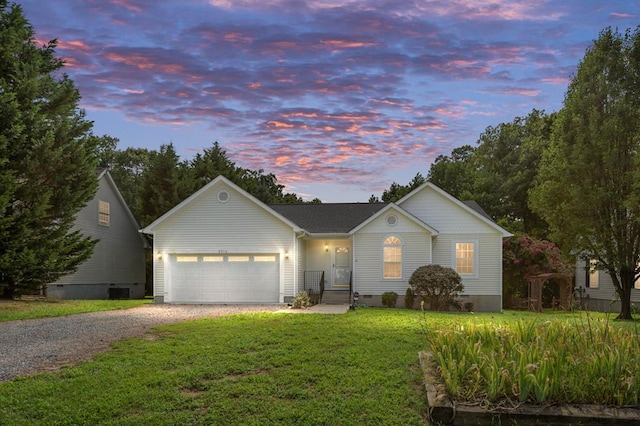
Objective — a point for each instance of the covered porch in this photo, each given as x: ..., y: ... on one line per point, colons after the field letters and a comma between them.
x: 328, y: 269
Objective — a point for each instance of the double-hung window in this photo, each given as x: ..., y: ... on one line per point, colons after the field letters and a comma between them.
x: 466, y: 258
x: 392, y: 258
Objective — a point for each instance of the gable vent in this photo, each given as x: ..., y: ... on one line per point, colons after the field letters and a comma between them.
x: 392, y: 220
x: 223, y: 196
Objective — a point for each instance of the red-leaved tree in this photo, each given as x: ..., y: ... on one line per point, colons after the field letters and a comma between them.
x: 524, y: 257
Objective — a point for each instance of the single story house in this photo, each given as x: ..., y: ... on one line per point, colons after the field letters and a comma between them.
x: 117, y: 267
x: 222, y: 245
x: 595, y: 289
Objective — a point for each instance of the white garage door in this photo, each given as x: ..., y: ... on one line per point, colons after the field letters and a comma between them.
x: 228, y: 278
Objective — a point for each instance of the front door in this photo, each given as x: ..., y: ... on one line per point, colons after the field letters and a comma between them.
x: 341, y: 267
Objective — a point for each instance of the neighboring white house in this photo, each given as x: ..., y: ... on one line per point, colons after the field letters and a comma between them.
x: 222, y: 245
x: 596, y: 291
x: 117, y: 267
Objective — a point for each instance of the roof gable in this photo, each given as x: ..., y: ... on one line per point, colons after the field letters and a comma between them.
x: 471, y: 207
x: 103, y: 174
x: 199, y: 193
x: 393, y: 207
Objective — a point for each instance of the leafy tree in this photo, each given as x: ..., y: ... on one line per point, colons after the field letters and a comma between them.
x: 455, y: 173
x: 397, y: 191
x: 588, y: 182
x: 437, y: 285
x: 507, y: 161
x: 127, y: 169
x: 525, y: 257
x: 47, y: 161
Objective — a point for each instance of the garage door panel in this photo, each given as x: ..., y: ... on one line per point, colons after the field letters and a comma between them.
x: 225, y: 278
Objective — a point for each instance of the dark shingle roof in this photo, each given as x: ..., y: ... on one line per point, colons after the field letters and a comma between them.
x: 478, y: 209
x: 328, y: 218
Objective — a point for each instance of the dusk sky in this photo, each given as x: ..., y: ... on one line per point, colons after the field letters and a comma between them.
x: 337, y: 98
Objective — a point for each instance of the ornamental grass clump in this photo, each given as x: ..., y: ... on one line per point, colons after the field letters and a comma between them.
x: 555, y: 362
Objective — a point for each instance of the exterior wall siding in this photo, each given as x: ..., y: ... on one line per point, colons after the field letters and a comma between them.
x: 368, y: 264
x: 445, y: 216
x: 489, y: 277
x: 118, y: 259
x: 604, y: 298
x: 207, y: 225
x: 456, y: 223
x: 416, y: 252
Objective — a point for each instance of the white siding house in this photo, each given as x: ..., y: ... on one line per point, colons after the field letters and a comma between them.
x: 221, y: 245
x: 117, y: 266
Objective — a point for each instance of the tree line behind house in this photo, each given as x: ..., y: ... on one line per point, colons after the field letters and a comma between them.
x: 572, y: 177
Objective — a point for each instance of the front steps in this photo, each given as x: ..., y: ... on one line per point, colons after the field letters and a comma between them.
x: 336, y: 297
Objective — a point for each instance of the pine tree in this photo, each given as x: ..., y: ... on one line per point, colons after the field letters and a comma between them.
x: 47, y: 161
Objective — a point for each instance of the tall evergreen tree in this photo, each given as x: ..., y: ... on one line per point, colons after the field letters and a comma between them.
x: 163, y: 184
x: 47, y: 161
x: 588, y: 180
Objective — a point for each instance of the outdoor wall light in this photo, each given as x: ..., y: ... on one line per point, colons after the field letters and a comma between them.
x: 326, y: 248
x: 286, y: 254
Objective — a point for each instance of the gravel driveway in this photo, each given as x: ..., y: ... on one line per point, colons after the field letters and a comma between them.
x: 39, y: 345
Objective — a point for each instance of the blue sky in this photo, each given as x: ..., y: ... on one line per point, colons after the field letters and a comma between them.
x: 337, y: 98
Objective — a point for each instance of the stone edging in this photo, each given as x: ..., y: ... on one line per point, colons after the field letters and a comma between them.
x: 443, y: 410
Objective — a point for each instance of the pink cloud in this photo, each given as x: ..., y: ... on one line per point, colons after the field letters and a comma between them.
x: 128, y: 4
x: 623, y: 15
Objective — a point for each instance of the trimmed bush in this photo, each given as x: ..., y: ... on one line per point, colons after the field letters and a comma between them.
x: 437, y: 285
x: 389, y: 299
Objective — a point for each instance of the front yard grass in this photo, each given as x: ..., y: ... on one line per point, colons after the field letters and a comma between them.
x: 29, y: 308
x: 360, y: 368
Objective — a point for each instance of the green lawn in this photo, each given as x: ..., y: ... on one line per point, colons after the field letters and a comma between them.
x: 11, y: 310
x: 360, y: 368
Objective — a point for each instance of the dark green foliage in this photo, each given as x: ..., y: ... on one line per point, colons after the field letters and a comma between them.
x: 47, y: 161
x: 163, y: 184
x: 455, y: 173
x: 153, y: 182
x: 588, y: 188
x: 389, y: 299
x: 437, y: 285
x: 507, y: 160
x: 498, y: 173
x: 397, y: 191
x: 127, y: 168
x: 409, y: 298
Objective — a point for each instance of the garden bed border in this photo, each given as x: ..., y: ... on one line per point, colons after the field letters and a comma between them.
x: 441, y: 409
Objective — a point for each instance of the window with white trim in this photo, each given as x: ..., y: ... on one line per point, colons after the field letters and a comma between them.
x: 466, y: 257
x: 593, y: 275
x: 392, y: 258
x: 104, y: 213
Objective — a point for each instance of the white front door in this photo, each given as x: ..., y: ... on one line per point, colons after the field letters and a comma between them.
x: 341, y: 266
